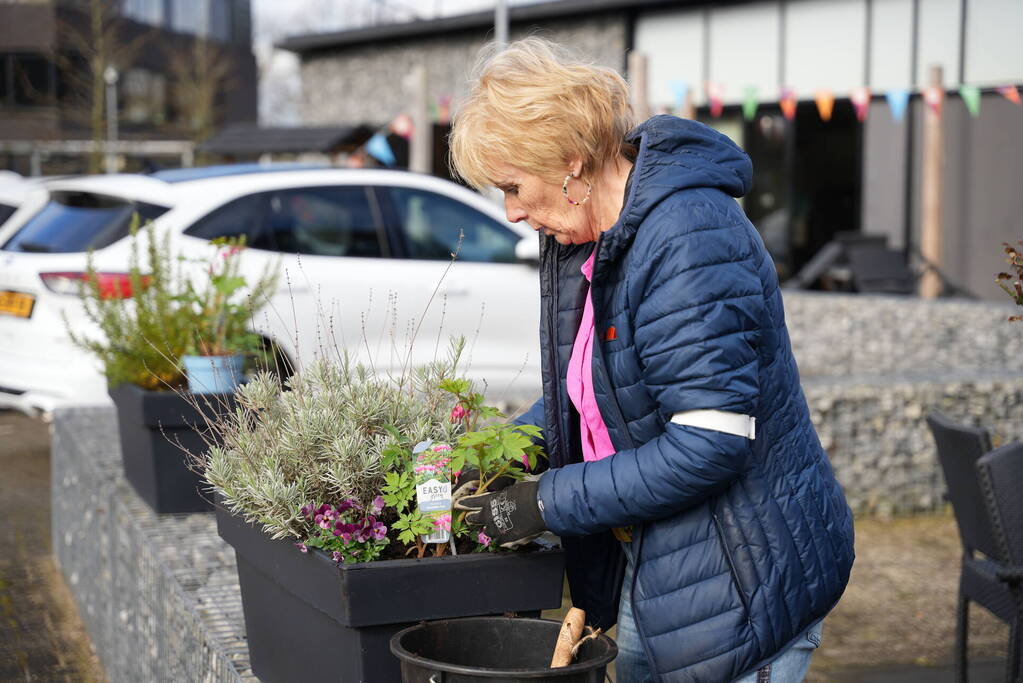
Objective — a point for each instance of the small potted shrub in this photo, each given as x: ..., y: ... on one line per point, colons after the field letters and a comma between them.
x: 317, y: 477
x: 222, y: 308
x: 144, y: 330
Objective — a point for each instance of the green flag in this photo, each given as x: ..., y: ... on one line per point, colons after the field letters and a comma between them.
x: 750, y: 102
x: 971, y: 96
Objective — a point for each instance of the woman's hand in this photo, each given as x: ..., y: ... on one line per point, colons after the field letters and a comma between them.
x: 511, y: 517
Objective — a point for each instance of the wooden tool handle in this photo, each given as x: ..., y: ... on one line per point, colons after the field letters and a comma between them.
x: 571, y: 631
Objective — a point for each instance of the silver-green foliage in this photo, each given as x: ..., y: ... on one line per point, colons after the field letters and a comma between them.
x: 319, y: 437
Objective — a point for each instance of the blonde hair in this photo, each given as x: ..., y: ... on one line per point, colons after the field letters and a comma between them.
x: 535, y: 107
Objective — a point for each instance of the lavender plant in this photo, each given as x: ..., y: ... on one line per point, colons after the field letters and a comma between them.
x: 319, y: 436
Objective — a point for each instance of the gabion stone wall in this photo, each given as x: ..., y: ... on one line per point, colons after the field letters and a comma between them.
x: 839, y: 335
x: 366, y: 83
x: 879, y: 444
x: 873, y: 367
x: 158, y: 594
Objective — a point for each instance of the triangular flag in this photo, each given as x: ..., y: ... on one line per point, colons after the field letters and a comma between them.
x: 680, y: 89
x: 750, y: 102
x: 788, y: 103
x: 825, y: 103
x: 444, y: 108
x: 380, y: 150
x: 934, y: 95
x: 402, y: 125
x: 897, y: 98
x: 716, y: 96
x: 971, y: 97
x: 1009, y: 92
x: 861, y: 102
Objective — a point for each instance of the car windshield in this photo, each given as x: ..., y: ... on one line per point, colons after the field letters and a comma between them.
x: 79, y: 221
x: 5, y: 212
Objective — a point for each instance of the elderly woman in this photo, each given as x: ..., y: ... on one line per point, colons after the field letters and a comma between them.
x: 682, y: 456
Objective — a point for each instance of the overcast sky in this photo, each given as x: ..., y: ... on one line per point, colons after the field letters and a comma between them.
x: 273, y: 20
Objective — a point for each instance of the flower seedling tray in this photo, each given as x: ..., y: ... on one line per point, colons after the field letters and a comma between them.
x: 308, y: 617
x: 154, y: 427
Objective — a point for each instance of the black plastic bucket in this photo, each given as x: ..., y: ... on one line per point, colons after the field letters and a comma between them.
x: 488, y: 648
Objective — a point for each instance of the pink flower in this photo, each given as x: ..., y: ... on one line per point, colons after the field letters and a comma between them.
x: 525, y: 461
x: 377, y: 505
x: 302, y: 547
x: 441, y: 447
x: 443, y: 522
x: 337, y: 556
x: 483, y: 539
x: 458, y: 413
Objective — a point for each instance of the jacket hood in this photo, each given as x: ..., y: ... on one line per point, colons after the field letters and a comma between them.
x: 676, y: 154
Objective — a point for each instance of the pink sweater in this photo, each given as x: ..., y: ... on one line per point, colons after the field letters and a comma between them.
x: 595, y: 439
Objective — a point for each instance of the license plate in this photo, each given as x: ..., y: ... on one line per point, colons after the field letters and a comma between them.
x: 17, y: 304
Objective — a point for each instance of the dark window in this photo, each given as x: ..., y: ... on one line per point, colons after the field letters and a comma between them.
x: 432, y: 224
x: 241, y: 217
x: 79, y: 221
x: 324, y: 221
x: 6, y: 211
x: 25, y: 79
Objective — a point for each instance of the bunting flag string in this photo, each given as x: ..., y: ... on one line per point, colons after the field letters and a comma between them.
x: 971, y: 97
x: 750, y: 103
x: 897, y: 98
x: 825, y: 103
x: 378, y: 148
x: 861, y: 102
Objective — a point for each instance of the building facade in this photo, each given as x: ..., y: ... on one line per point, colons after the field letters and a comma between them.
x: 48, y: 89
x: 813, y: 178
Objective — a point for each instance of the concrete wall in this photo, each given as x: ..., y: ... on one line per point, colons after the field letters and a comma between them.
x: 366, y: 83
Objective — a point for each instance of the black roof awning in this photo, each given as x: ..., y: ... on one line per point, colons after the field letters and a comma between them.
x: 248, y: 139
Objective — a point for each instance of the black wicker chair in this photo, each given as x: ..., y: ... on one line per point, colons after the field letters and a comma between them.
x: 959, y: 449
x: 1001, y: 476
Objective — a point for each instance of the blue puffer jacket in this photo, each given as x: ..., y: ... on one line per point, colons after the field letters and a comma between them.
x: 741, y: 544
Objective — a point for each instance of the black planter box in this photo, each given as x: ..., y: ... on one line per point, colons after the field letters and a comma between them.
x: 154, y: 427
x: 308, y: 618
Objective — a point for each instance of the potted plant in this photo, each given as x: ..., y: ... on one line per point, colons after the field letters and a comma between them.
x: 1012, y: 282
x: 145, y: 328
x: 316, y: 480
x: 222, y: 308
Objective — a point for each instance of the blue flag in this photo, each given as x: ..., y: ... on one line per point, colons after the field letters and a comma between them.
x: 897, y: 98
x: 380, y: 150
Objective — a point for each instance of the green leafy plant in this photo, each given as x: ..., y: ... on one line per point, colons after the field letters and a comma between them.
x: 224, y: 303
x: 145, y: 329
x: 1012, y: 282
x: 161, y: 310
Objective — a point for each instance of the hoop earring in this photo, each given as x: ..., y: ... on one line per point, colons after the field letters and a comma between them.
x: 564, y: 191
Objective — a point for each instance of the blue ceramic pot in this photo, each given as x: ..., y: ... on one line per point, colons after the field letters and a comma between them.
x: 213, y: 374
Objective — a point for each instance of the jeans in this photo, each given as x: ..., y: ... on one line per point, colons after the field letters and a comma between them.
x: 631, y: 666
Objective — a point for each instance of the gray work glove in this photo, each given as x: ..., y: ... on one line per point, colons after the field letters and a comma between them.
x: 511, y: 517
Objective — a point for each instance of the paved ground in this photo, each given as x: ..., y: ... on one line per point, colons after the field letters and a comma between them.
x: 41, y: 636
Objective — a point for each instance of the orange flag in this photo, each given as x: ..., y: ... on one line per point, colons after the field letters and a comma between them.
x: 1010, y: 93
x: 788, y: 103
x: 825, y: 103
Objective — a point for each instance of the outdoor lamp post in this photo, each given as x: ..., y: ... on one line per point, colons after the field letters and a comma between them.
x: 110, y: 76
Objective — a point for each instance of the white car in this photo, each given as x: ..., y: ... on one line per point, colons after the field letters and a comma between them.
x: 365, y: 262
x: 26, y: 194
